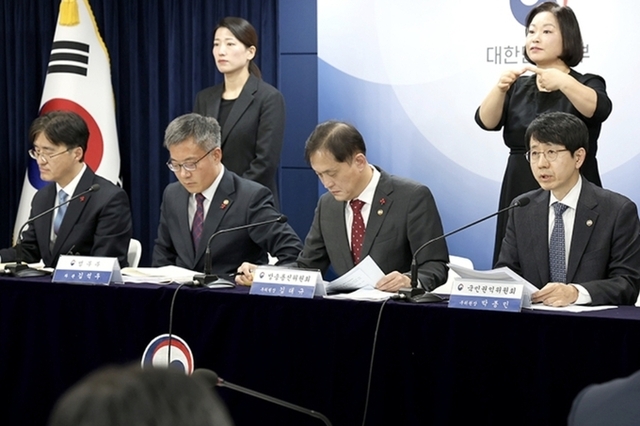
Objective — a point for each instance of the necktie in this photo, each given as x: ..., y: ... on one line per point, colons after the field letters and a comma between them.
x: 198, y: 221
x: 357, y: 230
x: 557, y: 261
x: 62, y: 197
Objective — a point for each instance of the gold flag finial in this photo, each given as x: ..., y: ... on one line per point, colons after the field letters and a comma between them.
x: 69, y: 15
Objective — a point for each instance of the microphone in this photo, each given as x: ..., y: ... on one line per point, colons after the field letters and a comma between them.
x: 417, y: 294
x: 212, y: 379
x: 208, y: 279
x: 22, y: 270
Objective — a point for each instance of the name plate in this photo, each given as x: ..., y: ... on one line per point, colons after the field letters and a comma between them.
x: 287, y: 282
x: 488, y: 296
x: 87, y: 270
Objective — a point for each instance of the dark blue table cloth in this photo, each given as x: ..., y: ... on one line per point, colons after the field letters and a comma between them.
x: 433, y: 364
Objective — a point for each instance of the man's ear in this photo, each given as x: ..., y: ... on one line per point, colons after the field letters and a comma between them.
x: 579, y: 156
x: 360, y: 160
x: 217, y: 154
x: 78, y: 153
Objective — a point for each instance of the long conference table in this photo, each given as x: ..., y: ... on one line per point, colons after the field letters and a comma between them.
x: 433, y: 365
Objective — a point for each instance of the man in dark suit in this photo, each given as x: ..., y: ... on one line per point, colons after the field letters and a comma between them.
x: 252, y: 129
x: 392, y: 216
x: 210, y: 198
x: 597, y: 260
x: 611, y: 403
x: 95, y: 224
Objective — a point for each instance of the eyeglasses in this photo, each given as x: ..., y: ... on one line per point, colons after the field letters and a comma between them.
x: 45, y: 156
x: 550, y: 155
x: 189, y: 167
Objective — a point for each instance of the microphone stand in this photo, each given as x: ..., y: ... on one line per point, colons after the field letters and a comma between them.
x: 208, y: 279
x: 418, y: 294
x: 212, y: 379
x: 23, y: 270
x: 225, y: 384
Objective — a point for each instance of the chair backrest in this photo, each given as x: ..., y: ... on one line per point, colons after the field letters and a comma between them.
x: 456, y: 260
x: 135, y: 253
x: 461, y: 261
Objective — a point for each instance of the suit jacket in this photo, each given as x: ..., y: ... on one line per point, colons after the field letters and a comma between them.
x: 403, y: 217
x: 605, y: 247
x: 611, y: 403
x: 96, y: 224
x: 253, y: 134
x: 236, y: 202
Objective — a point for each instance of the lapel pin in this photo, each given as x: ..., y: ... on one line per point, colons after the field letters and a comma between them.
x: 224, y: 204
x: 82, y: 199
x: 589, y: 222
x: 380, y: 212
x: 382, y: 202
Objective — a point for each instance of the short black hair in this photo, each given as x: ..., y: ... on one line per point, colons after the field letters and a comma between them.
x: 61, y: 128
x: 130, y: 395
x: 559, y: 128
x: 572, y: 47
x: 341, y: 139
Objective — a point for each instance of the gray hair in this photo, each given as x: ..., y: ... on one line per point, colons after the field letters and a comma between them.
x: 205, y: 131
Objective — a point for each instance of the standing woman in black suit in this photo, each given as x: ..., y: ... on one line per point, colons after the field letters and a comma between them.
x: 249, y: 110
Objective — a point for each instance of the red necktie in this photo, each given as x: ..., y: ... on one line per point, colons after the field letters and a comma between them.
x: 198, y: 221
x: 357, y: 230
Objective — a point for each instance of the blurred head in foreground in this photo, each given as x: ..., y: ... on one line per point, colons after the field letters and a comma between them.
x: 132, y: 396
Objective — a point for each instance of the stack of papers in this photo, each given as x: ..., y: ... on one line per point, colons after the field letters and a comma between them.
x: 364, y: 275
x: 161, y: 275
x: 359, y: 283
x: 499, y: 275
x: 370, y: 294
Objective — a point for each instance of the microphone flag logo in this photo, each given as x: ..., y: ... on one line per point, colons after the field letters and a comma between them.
x: 157, y: 354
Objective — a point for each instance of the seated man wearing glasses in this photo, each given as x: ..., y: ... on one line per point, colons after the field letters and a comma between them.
x: 95, y: 224
x: 209, y: 198
x: 578, y: 243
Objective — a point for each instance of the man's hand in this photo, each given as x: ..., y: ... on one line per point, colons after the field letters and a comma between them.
x: 393, y: 282
x: 556, y: 294
x: 245, y: 273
